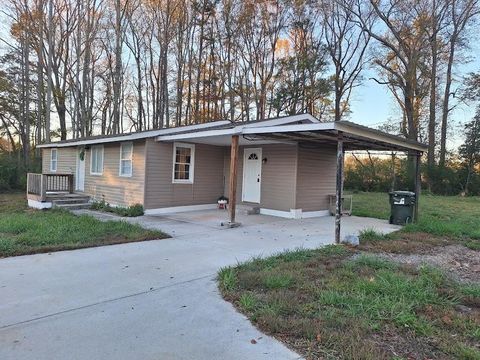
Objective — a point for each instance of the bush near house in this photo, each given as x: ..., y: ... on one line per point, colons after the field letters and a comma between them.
x: 130, y: 211
x: 27, y: 231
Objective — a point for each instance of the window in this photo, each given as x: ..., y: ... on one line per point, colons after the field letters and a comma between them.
x: 53, y: 160
x: 96, y: 160
x: 126, y: 154
x: 183, y: 163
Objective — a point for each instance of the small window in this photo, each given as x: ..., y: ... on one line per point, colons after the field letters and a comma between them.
x: 126, y: 155
x: 53, y: 160
x: 253, y: 156
x: 183, y: 163
x: 96, y: 160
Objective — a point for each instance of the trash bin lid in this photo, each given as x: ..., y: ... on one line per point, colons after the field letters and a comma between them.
x: 403, y: 193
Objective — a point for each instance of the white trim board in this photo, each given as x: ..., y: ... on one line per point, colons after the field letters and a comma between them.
x: 178, y: 209
x: 134, y: 136
x: 294, y: 213
x: 39, y: 205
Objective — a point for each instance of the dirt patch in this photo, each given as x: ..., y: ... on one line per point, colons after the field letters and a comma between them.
x: 406, y: 243
x: 461, y: 262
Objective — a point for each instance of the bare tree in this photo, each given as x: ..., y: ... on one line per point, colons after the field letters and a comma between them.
x: 347, y: 44
x: 401, y: 56
x: 462, y: 12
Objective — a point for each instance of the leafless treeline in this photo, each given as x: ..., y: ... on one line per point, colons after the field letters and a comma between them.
x: 74, y: 68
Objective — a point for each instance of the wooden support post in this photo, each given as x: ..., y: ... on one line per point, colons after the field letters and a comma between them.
x: 43, y: 187
x: 71, y: 185
x: 232, y: 200
x: 418, y: 183
x: 338, y: 201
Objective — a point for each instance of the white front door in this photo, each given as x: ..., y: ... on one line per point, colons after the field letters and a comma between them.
x: 80, y: 178
x: 252, y: 175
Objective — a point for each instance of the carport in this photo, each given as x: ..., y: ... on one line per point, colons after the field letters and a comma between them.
x: 346, y: 136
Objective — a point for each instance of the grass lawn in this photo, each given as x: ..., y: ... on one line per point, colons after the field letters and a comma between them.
x: 329, y: 304
x: 27, y: 231
x: 343, y: 303
x: 442, y: 220
x: 439, y: 215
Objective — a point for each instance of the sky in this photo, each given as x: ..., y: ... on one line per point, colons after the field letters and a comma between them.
x: 373, y: 105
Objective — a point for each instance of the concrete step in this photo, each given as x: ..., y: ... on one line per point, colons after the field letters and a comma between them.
x: 82, y: 200
x: 253, y: 211
x: 77, y: 206
x: 248, y: 210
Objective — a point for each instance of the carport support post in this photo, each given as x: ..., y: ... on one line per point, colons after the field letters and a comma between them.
x: 418, y: 183
x: 338, y: 201
x: 232, y: 201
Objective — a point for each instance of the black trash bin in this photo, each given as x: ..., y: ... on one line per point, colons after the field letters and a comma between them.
x: 402, y: 207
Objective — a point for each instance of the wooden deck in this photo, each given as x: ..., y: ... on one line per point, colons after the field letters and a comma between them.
x: 54, y: 190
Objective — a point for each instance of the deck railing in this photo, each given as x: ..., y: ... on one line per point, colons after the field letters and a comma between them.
x: 39, y: 184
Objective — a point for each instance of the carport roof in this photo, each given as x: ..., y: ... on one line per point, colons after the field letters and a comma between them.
x: 355, y: 137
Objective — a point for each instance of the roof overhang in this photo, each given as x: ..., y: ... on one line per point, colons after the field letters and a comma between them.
x: 303, y: 128
x: 355, y: 137
x: 134, y: 136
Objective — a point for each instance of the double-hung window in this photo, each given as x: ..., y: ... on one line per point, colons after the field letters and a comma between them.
x: 126, y: 156
x: 183, y: 163
x: 53, y: 160
x: 96, y: 160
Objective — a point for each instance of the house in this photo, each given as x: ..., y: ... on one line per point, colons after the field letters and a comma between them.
x: 285, y: 166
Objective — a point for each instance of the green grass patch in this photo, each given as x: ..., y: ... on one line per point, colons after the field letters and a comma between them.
x: 332, y: 303
x: 26, y: 231
x: 439, y: 215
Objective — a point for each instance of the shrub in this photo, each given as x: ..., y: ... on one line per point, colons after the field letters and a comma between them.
x: 130, y: 211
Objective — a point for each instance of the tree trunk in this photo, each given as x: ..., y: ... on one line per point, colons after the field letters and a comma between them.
x: 118, y: 69
x: 433, y: 101
x: 49, y: 71
x: 445, y: 107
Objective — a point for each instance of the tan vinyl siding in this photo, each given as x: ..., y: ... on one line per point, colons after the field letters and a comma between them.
x: 316, y: 177
x: 110, y: 186
x: 66, y: 160
x: 208, y: 177
x: 278, y: 176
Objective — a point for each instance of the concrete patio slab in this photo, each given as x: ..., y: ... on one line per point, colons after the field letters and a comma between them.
x: 152, y: 299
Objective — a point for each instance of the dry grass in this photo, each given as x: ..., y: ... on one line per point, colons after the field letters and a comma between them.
x: 332, y: 303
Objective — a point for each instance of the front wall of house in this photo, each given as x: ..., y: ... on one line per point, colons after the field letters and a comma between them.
x: 278, y: 175
x: 110, y: 186
x: 316, y: 177
x: 66, y: 160
x: 208, y: 182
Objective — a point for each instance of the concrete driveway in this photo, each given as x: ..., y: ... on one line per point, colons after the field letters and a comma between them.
x: 152, y: 299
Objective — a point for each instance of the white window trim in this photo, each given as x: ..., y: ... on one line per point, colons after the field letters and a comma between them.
x: 91, y: 157
x: 120, y: 162
x: 51, y: 160
x: 192, y: 163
